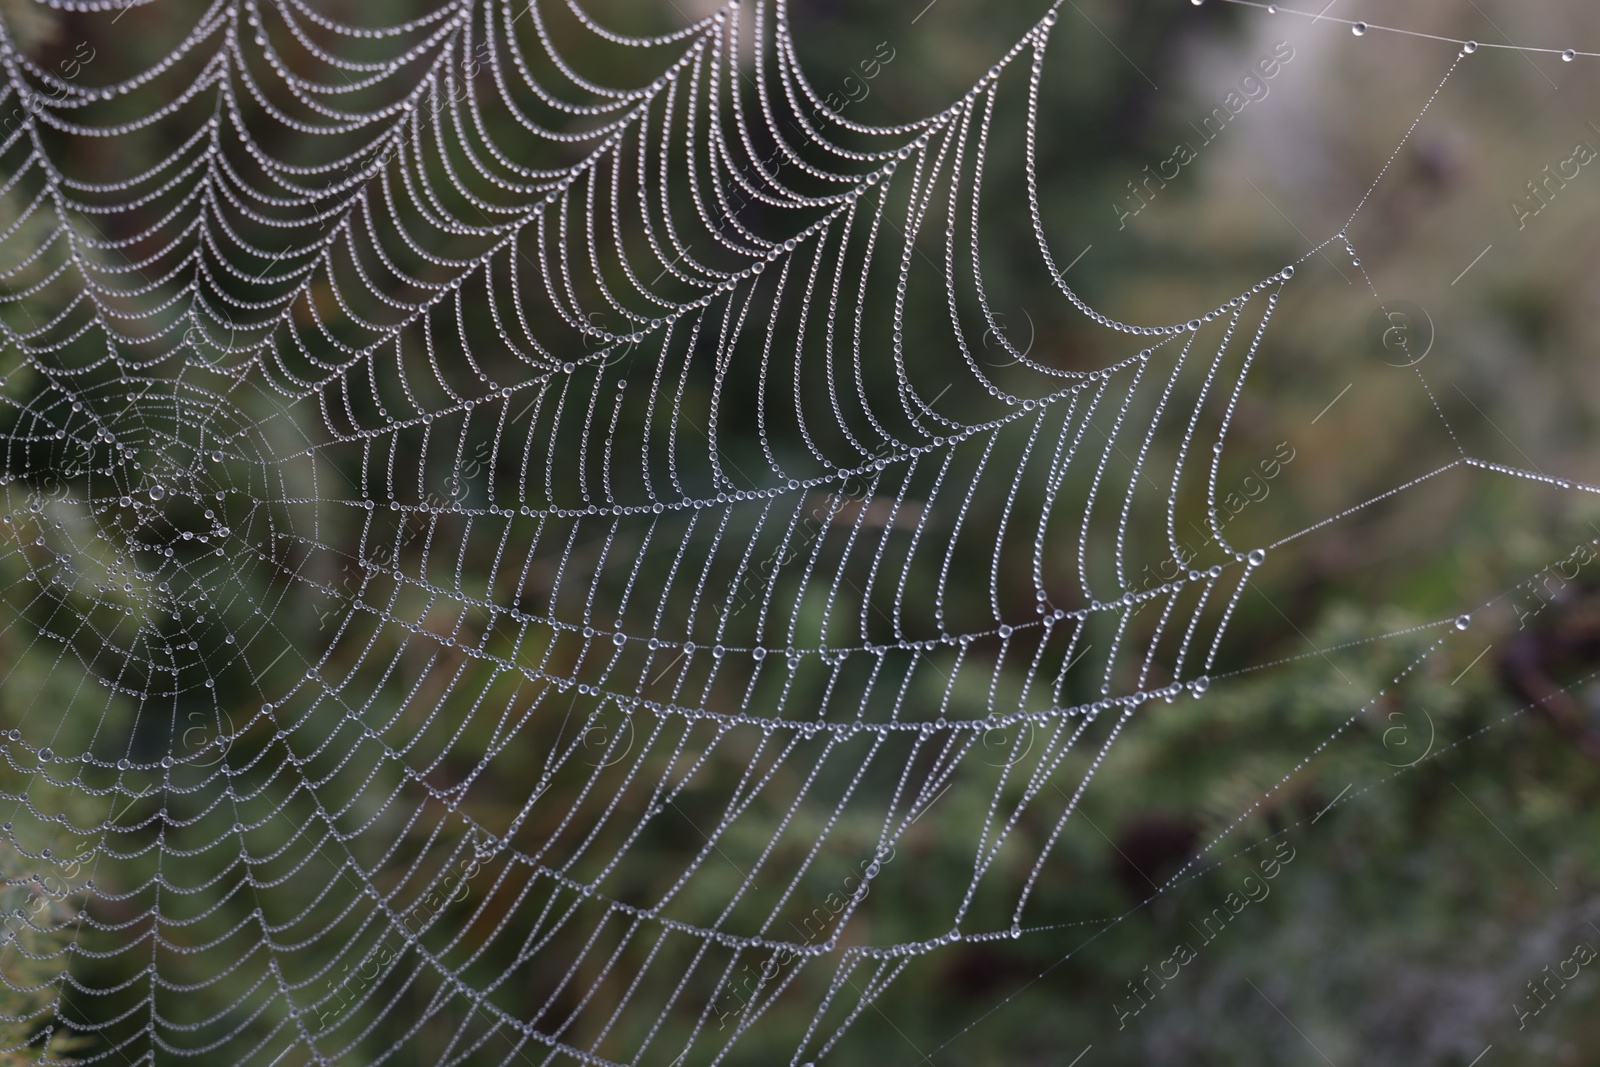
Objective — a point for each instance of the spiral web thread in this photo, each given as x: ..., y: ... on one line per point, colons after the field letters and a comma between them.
x: 424, y: 676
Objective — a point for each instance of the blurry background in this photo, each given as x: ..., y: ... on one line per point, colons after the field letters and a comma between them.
x: 1414, y: 913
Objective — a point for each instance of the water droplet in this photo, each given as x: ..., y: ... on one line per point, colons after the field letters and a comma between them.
x: 1359, y: 28
x: 1470, y: 47
x: 1568, y: 56
x: 1463, y: 621
x: 1257, y: 557
x: 1201, y: 684
x: 157, y: 492
x: 1016, y: 930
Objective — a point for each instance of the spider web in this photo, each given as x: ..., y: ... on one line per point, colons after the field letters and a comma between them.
x: 497, y: 593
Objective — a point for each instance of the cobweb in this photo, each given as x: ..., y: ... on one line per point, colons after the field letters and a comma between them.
x: 484, y: 597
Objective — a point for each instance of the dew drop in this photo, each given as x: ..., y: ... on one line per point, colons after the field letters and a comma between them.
x: 157, y: 492
x: 1359, y: 28
x: 1257, y: 557
x: 1469, y: 48
x: 1568, y: 56
x: 1463, y: 621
